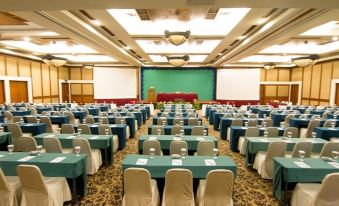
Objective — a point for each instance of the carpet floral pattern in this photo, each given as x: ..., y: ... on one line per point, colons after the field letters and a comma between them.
x: 106, y: 186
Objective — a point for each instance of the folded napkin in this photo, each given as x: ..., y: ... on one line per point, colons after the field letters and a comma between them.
x: 58, y: 159
x: 302, y: 164
x: 264, y: 140
x: 94, y: 137
x: 334, y: 164
x: 177, y: 162
x: 24, y: 159
x: 210, y: 162
x: 141, y: 162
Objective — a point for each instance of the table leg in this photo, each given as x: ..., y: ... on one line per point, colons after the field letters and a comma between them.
x: 74, y: 191
x: 285, y: 194
x: 106, y: 156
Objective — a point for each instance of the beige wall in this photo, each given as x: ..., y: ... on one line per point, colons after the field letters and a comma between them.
x: 81, y: 92
x: 45, y: 79
x: 316, y: 81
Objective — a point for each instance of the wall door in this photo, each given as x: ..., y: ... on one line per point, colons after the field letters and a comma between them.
x: 18, y: 91
x: 336, y: 94
x: 294, y: 93
x: 65, y: 92
x: 2, y: 92
x: 262, y: 94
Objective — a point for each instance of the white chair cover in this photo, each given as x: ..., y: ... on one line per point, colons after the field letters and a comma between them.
x: 10, y: 192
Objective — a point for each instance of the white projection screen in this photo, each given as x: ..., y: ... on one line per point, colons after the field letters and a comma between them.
x: 238, y: 84
x: 114, y: 83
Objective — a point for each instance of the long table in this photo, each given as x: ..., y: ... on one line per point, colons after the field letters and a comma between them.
x: 165, y: 141
x: 170, y: 120
x: 172, y: 114
x: 129, y: 121
x: 168, y: 128
x: 55, y: 119
x: 327, y: 133
x: 102, y: 142
x: 287, y: 172
x: 225, y: 123
x: 256, y: 144
x: 33, y: 128
x: 159, y: 165
x: 72, y: 167
x: 238, y: 131
x: 167, y: 97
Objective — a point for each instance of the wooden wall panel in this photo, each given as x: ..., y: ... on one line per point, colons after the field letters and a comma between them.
x: 271, y: 91
x: 262, y: 75
x: 325, y: 85
x: 335, y: 70
x: 272, y: 75
x: 87, y: 74
x: 297, y: 74
x: 54, y: 81
x: 283, y: 91
x: 87, y: 89
x: 12, y: 66
x: 307, y: 82
x: 284, y: 75
x: 36, y: 80
x: 46, y: 90
x: 324, y: 103
x: 2, y: 66
x: 76, y: 89
x: 313, y: 103
x: 24, y: 68
x: 63, y: 73
x: 315, y: 82
x: 75, y: 73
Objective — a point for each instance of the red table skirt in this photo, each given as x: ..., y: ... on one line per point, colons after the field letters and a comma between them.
x: 166, y: 97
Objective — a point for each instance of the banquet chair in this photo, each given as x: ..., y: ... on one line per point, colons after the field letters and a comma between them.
x: 328, y: 123
x: 239, y: 116
x: 314, y: 194
x: 235, y: 122
x: 303, y: 116
x: 154, y: 130
x: 9, y: 116
x: 116, y: 114
x: 67, y: 129
x: 217, y: 189
x: 176, y: 146
x: 197, y: 131
x: 305, y: 146
x: 162, y: 121
x: 252, y: 116
x: 17, y: 119
x: 205, y: 148
x: 139, y: 188
x: 86, y: 111
x: 165, y: 114
x: 28, y: 144
x: 272, y: 131
x: 146, y: 145
x: 250, y: 132
x: 287, y: 119
x: 102, y: 131
x: 325, y: 114
x: 191, y: 115
x: 49, y: 126
x: 84, y: 129
x: 193, y: 122
x: 293, y: 130
x: 122, y: 120
x: 103, y: 114
x: 267, y: 122
x: 327, y: 150
x: 228, y: 115
x: 263, y: 162
x: 10, y: 192
x: 104, y: 120
x: 177, y: 121
x: 252, y: 123
x: 71, y: 117
x: 89, y: 119
x: 307, y: 133
x: 178, y: 188
x: 16, y: 135
x: 53, y: 145
x: 31, y: 119
x: 57, y: 113
x: 42, y: 191
x: 33, y: 111
x: 44, y: 113
x: 176, y: 130
x: 94, y: 160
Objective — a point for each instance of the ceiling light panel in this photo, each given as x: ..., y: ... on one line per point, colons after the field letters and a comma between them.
x: 268, y: 58
x: 87, y: 58
x: 329, y: 29
x: 205, y: 46
x: 302, y: 48
x: 192, y: 58
x: 224, y: 22
x: 52, y: 48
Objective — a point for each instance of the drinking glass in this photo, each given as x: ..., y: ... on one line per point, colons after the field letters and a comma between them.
x: 10, y: 148
x: 282, y: 124
x: 205, y: 132
x: 151, y: 152
x: 314, y: 135
x: 246, y: 124
x: 79, y: 132
x: 1, y: 129
x: 38, y: 121
x: 264, y: 116
x: 199, y: 123
x: 215, y: 153
x: 332, y: 125
x: 39, y: 149
x: 183, y: 153
x: 159, y: 132
x: 335, y: 155
x: 84, y: 121
x: 266, y: 134
x: 182, y: 132
x: 289, y: 134
x: 77, y: 150
x: 334, y: 116
x: 301, y: 155
x: 107, y: 131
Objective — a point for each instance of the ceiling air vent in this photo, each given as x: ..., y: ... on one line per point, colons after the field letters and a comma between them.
x: 200, y: 2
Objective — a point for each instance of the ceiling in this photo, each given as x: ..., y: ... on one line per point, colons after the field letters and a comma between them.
x: 128, y: 33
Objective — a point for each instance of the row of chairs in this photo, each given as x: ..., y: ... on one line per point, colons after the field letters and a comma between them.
x: 179, y: 121
x: 140, y: 189
x: 196, y: 130
x: 179, y: 115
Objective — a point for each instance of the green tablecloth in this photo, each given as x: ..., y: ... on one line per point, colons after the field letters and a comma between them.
x: 165, y: 141
x: 5, y: 138
x: 327, y: 132
x: 103, y: 142
x: 255, y: 144
x: 159, y: 165
x: 286, y: 171
x: 73, y: 167
x: 168, y: 129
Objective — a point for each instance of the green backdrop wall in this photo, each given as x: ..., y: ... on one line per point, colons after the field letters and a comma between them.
x: 198, y: 80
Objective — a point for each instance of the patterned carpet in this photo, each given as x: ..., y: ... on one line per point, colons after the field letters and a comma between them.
x: 105, y: 187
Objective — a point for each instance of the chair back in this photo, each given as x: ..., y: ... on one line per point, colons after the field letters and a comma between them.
x: 9, y: 116
x: 328, y: 123
x: 103, y: 114
x: 16, y: 134
x: 328, y: 148
x: 328, y: 192
x: 71, y: 117
x: 197, y: 131
x: 252, y: 122
x: 137, y: 186
x: 84, y: 129
x: 57, y: 113
x: 176, y: 130
x: 162, y: 121
x: 3, y: 182
x: 267, y: 122
x: 176, y: 146
x: 219, y: 188
x: 272, y: 131
x: 239, y: 116
x: 102, y: 129
x: 28, y: 144
x: 227, y: 115
x: 31, y: 179
x: 325, y: 114
x: 178, y: 188
x: 305, y: 146
x: 154, y: 130
x: 31, y: 119
x: 104, y: 120
x: 293, y: 130
x: 52, y: 145
x: 237, y: 122
x: 252, y: 132
x: 67, y: 129
x: 313, y: 123
x: 177, y: 121
x: 146, y: 145
x: 287, y: 119
x: 89, y: 119
x: 193, y: 121
x: 48, y: 123
x: 17, y: 119
x: 205, y: 148
x: 275, y: 149
x: 252, y: 116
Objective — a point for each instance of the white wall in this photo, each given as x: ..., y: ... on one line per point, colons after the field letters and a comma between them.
x: 114, y: 83
x: 238, y: 84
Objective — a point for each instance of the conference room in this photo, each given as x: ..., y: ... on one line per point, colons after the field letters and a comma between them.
x: 169, y: 103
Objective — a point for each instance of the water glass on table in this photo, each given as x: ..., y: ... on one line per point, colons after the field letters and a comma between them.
x: 77, y: 150
x: 301, y: 155
x: 183, y: 153
x: 151, y: 152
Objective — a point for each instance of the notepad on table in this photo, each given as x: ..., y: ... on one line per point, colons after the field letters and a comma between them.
x: 24, y: 159
x: 210, y: 162
x: 58, y: 159
x: 334, y: 164
x: 302, y: 164
x: 2, y: 155
x: 264, y: 140
x: 94, y: 137
x: 70, y: 137
x: 177, y: 162
x: 200, y: 139
x: 141, y: 162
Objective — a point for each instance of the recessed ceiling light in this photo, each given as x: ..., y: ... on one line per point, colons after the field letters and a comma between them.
x: 26, y: 38
x: 262, y: 20
x: 96, y: 22
x: 242, y: 37
x: 335, y: 38
x: 284, y: 54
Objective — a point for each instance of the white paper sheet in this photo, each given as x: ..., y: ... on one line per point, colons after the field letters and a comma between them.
x: 141, y: 162
x: 24, y: 159
x: 302, y: 164
x: 210, y: 162
x: 334, y: 164
x: 70, y: 137
x: 2, y: 155
x: 177, y: 162
x: 152, y: 138
x: 58, y: 159
x: 94, y: 137
x: 264, y: 140
x: 200, y: 139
